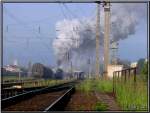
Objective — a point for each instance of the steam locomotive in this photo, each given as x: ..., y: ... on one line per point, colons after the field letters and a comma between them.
x: 41, y: 71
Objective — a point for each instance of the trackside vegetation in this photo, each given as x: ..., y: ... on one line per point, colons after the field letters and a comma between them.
x: 130, y: 96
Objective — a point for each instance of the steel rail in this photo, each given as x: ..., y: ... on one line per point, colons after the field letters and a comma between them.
x: 60, y: 103
x: 20, y: 97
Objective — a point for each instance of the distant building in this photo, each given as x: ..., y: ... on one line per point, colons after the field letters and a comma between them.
x: 112, y: 68
x: 133, y: 64
x: 12, y: 68
x: 146, y: 60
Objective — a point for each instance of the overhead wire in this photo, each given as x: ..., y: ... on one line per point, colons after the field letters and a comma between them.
x: 73, y: 14
x: 41, y: 21
x: 21, y: 22
x: 62, y: 10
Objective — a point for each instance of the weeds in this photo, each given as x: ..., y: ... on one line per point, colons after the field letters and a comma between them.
x: 100, y: 107
x: 130, y: 96
x: 104, y: 85
x: 86, y: 86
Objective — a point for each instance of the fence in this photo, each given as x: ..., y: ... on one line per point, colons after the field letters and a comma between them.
x: 123, y: 76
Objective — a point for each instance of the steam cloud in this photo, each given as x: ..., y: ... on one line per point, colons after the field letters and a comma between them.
x: 77, y: 37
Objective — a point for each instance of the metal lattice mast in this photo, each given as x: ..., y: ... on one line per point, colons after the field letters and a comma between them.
x: 97, y: 40
x: 114, y: 48
x: 106, y: 36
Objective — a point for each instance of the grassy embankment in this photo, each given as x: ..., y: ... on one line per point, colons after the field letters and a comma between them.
x: 48, y: 82
x: 130, y: 96
x: 40, y: 82
x: 87, y: 87
x: 11, y: 78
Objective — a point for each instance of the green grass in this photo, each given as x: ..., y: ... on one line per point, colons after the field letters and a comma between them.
x: 104, y: 85
x: 41, y: 82
x: 130, y: 96
x: 86, y: 86
x: 10, y: 78
x: 48, y: 82
x: 100, y: 107
x: 98, y: 85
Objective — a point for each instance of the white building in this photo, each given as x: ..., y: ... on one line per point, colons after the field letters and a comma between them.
x: 112, y: 68
x: 133, y: 64
x: 12, y: 68
x: 146, y: 60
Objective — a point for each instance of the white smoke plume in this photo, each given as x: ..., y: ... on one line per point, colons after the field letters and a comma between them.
x: 77, y: 37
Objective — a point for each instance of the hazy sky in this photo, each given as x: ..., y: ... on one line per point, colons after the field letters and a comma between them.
x: 22, y: 40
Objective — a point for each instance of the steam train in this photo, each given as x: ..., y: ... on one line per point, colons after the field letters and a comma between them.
x: 59, y: 74
x: 41, y: 71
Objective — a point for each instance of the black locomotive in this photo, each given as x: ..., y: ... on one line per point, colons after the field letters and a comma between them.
x: 59, y: 74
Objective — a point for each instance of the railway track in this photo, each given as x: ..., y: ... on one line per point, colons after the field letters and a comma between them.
x: 12, y: 91
x: 45, y: 99
x: 18, y: 82
x: 8, y: 92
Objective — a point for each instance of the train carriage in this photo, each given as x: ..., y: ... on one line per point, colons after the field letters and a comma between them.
x: 41, y: 71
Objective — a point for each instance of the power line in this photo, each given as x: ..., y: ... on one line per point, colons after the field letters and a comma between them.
x: 11, y: 15
x: 70, y: 12
x: 62, y: 10
x: 27, y: 23
x: 21, y: 22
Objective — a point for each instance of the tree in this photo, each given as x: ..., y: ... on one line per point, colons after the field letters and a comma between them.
x: 143, y: 69
x: 140, y: 65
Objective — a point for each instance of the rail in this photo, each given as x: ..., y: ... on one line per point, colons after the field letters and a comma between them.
x: 59, y: 104
x: 14, y: 99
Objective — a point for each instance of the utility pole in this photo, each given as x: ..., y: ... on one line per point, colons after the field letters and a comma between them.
x: 106, y: 36
x: 88, y: 63
x: 97, y: 39
x: 19, y: 74
x: 71, y: 69
x: 29, y: 69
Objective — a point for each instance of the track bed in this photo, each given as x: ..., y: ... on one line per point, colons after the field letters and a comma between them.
x: 36, y: 103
